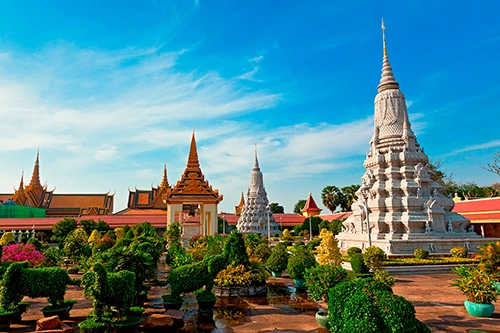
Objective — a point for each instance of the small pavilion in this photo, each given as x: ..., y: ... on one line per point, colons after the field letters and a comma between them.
x: 192, y: 201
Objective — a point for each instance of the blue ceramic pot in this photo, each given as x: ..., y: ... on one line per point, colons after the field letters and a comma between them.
x: 276, y: 274
x: 479, y: 310
x: 299, y: 283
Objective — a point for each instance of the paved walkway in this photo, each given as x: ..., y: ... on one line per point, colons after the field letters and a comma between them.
x: 437, y: 304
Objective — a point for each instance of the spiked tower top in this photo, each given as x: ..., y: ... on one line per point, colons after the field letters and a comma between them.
x: 387, y: 80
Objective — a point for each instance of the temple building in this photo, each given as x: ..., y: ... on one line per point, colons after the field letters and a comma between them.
x: 37, y: 196
x: 256, y: 215
x: 399, y: 207
x: 310, y: 208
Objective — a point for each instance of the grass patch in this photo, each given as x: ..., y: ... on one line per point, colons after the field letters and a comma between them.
x: 428, y: 261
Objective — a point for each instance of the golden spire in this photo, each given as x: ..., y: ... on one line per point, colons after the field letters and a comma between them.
x: 19, y: 195
x: 193, y: 162
x: 35, y: 178
x: 387, y: 80
x: 164, y: 181
x: 383, y: 36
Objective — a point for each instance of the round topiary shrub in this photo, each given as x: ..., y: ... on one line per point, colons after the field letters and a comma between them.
x: 421, y: 254
x: 368, y: 306
x: 459, y: 252
x: 374, y: 256
x: 358, y: 264
x: 300, y: 260
x: 353, y: 250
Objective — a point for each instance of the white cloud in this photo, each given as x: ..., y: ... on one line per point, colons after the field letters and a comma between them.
x: 250, y: 75
x: 481, y: 146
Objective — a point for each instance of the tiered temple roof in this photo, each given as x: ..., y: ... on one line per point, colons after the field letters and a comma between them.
x: 58, y: 205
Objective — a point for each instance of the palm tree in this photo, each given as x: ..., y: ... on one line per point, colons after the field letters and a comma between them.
x: 349, y: 196
x: 332, y: 197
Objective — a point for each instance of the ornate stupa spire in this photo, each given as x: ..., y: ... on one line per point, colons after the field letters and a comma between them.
x: 193, y: 162
x: 399, y: 207
x: 256, y: 212
x: 35, y: 178
x: 256, y: 159
x: 387, y: 80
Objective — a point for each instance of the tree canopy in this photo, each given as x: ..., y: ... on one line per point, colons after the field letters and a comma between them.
x: 298, y: 206
x: 276, y: 208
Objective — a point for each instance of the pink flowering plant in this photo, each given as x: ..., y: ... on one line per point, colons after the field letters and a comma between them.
x: 22, y: 252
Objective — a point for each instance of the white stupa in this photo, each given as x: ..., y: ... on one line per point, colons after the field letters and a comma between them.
x: 256, y: 212
x: 407, y: 210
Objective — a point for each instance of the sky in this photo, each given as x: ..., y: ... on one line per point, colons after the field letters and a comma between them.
x: 109, y: 91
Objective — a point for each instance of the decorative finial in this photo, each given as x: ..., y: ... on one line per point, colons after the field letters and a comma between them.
x: 193, y: 162
x: 383, y: 36
x: 387, y: 80
x: 256, y: 160
x: 37, y: 156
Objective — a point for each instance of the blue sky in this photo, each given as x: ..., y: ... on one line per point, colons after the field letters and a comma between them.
x: 111, y: 90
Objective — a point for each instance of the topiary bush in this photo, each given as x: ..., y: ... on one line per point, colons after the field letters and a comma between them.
x: 459, y: 252
x: 278, y: 260
x: 368, y: 306
x: 7, y: 238
x: 381, y: 275
x: 300, y: 260
x: 235, y: 250
x: 374, y: 256
x: 358, y: 264
x: 328, y: 251
x: 353, y: 250
x: 421, y: 254
x: 321, y: 278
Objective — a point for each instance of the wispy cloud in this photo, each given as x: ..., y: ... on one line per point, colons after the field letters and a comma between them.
x: 481, y: 146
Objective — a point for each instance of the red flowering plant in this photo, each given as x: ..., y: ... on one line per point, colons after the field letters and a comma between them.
x: 22, y: 252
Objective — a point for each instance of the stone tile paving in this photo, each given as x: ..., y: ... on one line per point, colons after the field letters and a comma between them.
x: 437, y: 304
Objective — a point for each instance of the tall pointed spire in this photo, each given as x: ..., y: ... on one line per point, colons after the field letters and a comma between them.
x: 164, y: 181
x: 35, y: 178
x: 19, y: 195
x: 387, y: 80
x: 193, y: 162
x: 256, y: 160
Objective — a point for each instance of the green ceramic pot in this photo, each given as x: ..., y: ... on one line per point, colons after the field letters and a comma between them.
x: 276, y: 274
x: 6, y: 319
x: 59, y: 311
x: 128, y: 326
x: 173, y: 305
x: 322, y: 318
x: 206, y: 304
x: 299, y: 283
x: 479, y: 310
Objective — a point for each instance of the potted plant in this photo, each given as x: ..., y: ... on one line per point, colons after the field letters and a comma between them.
x: 59, y: 310
x: 319, y: 280
x: 278, y: 260
x: 479, y: 289
x: 70, y: 303
x: 6, y: 317
x: 300, y: 260
x: 206, y: 299
x: 172, y: 302
x: 489, y: 260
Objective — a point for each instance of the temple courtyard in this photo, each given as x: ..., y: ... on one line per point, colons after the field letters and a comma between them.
x: 437, y: 304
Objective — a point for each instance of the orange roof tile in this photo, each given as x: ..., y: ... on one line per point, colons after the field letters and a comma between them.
x: 78, y: 200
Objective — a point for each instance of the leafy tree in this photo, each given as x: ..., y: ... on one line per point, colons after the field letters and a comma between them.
x: 102, y: 226
x: 298, y: 206
x: 76, y: 245
x: 495, y: 166
x: 315, y: 222
x: 334, y: 226
x: 88, y: 226
x: 276, y: 208
x: 332, y: 196
x: 349, y: 193
x: 439, y: 176
x: 328, y: 250
x: 62, y: 228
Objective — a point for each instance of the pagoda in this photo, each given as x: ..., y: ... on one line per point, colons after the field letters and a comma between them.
x: 36, y: 195
x: 310, y: 207
x: 192, y: 201
x: 399, y: 207
x: 256, y: 213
